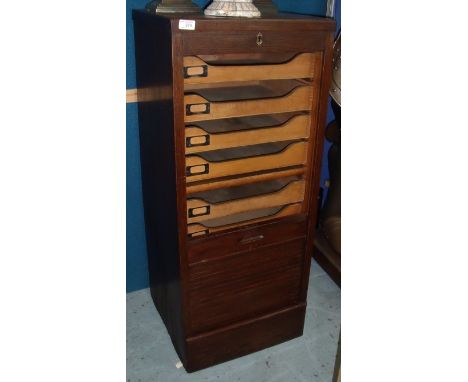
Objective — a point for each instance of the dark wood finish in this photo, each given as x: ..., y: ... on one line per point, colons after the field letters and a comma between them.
x: 244, y: 338
x: 218, y: 288
x: 285, y: 22
x: 238, y: 41
x: 244, y: 288
x: 157, y: 146
x: 258, y: 58
x: 246, y: 239
x: 315, y: 157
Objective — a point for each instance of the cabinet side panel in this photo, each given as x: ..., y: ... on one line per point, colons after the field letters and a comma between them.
x: 316, y: 159
x: 153, y: 49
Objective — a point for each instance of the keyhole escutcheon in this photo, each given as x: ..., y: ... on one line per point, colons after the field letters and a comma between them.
x: 259, y: 39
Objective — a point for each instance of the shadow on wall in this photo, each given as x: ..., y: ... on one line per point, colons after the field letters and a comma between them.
x: 137, y: 270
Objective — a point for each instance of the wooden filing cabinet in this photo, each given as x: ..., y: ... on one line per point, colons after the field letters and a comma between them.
x: 231, y: 119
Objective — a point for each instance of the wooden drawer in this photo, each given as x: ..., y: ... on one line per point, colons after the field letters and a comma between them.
x: 259, y: 281
x: 234, y: 132
x: 234, y: 200
x: 200, y: 108
x: 198, y: 71
x: 241, y: 219
x: 247, y: 159
x: 275, y: 41
x: 246, y: 239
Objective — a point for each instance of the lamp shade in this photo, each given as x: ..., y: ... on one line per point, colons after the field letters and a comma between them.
x: 232, y: 8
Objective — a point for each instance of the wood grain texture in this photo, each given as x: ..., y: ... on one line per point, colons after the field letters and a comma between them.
x: 297, y: 100
x: 315, y: 157
x: 274, y: 41
x: 295, y: 128
x: 247, y: 238
x: 293, y: 155
x: 241, y: 284
x: 132, y: 95
x: 253, y: 216
x: 292, y: 193
x: 301, y: 66
x: 179, y: 158
x: 153, y: 49
x: 219, y: 287
x: 244, y: 337
x: 229, y: 194
x: 315, y: 100
x: 251, y: 58
x: 243, y: 179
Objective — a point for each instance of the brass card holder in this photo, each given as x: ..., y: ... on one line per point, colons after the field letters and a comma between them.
x: 172, y: 6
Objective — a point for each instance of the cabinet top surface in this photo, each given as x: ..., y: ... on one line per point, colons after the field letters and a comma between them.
x: 303, y: 21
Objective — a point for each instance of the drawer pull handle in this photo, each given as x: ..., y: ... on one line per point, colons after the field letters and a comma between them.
x: 199, y: 211
x: 198, y: 233
x: 259, y: 39
x: 196, y: 71
x: 253, y: 239
x: 198, y: 108
x: 198, y: 169
x: 199, y: 140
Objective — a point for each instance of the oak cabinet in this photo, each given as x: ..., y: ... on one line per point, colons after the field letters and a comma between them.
x: 231, y: 118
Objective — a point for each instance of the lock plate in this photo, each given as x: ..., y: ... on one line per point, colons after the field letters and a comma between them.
x: 259, y: 38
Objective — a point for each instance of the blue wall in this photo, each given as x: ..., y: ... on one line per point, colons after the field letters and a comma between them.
x: 137, y: 270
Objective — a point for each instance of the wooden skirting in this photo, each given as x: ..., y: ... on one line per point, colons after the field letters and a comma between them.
x: 132, y: 95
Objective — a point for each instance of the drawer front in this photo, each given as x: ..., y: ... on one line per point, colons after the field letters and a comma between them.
x: 241, y: 219
x: 247, y: 114
x: 199, y: 140
x: 198, y: 168
x: 198, y: 108
x: 197, y: 71
x: 271, y: 41
x: 260, y: 281
x: 246, y: 239
x: 199, y: 210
